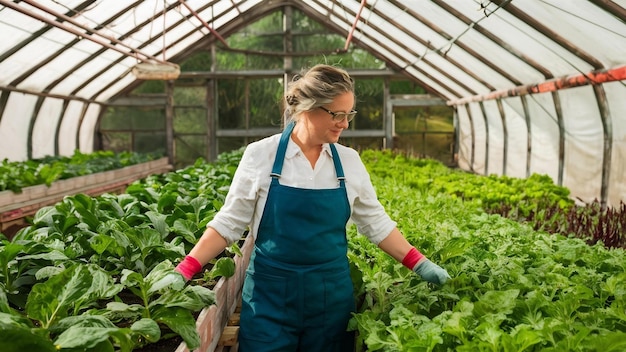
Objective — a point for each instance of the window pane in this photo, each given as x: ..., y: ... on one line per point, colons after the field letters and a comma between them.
x: 190, y: 120
x: 150, y: 143
x: 265, y: 102
x: 231, y: 104
x: 194, y: 96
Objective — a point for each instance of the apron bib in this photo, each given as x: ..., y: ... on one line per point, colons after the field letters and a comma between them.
x: 298, y: 294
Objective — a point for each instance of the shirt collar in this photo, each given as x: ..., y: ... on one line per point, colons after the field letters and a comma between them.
x: 293, y: 149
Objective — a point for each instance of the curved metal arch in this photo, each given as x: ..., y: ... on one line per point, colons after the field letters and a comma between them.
x: 554, y: 36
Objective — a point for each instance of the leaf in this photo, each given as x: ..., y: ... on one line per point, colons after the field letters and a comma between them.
x: 186, y: 229
x: 102, y: 283
x: 130, y: 278
x: 172, y: 280
x: 147, y: 328
x: 455, y: 247
x: 47, y: 272
x: 496, y: 302
x: 4, y: 303
x: 84, y: 337
x: 100, y: 243
x: 158, y: 221
x: 167, y: 202
x: 225, y: 266
x: 44, y: 216
x: 13, y: 319
x: 614, y: 341
x: 119, y: 311
x: 85, y: 206
x: 51, y: 256
x: 181, y: 321
x: 50, y: 301
x: 16, y: 339
x: 524, y: 336
x: 193, y: 297
x: 83, y: 320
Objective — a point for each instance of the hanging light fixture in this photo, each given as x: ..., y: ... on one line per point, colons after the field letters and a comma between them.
x: 157, y: 69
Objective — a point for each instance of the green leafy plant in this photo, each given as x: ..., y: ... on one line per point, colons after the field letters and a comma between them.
x: 97, y: 273
x: 19, y: 174
x: 512, y: 289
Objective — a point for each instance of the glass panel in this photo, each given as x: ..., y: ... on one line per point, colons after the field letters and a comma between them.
x: 405, y: 87
x: 265, y: 102
x: 151, y: 86
x: 150, y: 142
x: 231, y: 103
x: 227, y: 144
x: 133, y: 118
x: 117, y: 141
x: 437, y: 146
x: 193, y: 96
x: 190, y: 120
x: 263, y: 35
x: 361, y: 143
x: 200, y: 61
x: 424, y: 119
x: 189, y: 149
x: 236, y: 61
x: 369, y: 104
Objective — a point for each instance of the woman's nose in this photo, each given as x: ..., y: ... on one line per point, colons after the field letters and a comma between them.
x: 343, y: 123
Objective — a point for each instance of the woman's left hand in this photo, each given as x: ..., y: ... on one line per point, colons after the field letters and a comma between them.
x: 431, y: 272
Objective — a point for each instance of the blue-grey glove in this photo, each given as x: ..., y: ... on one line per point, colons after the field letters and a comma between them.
x: 431, y: 272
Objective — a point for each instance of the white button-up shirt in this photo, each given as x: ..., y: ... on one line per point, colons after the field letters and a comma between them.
x: 247, y: 195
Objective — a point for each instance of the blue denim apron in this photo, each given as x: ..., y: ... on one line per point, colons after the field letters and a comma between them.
x: 298, y: 295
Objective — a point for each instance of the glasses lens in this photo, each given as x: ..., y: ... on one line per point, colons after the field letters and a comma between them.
x: 340, y: 116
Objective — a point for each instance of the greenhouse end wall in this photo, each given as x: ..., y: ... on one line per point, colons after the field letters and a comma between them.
x: 581, y: 146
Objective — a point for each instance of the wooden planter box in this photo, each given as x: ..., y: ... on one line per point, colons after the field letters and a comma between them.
x: 16, y: 206
x: 212, y: 320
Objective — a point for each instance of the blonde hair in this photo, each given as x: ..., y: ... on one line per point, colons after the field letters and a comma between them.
x: 315, y: 87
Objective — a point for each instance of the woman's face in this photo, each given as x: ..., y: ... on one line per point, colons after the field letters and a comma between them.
x: 321, y: 126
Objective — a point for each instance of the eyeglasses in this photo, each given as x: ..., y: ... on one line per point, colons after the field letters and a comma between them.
x: 340, y: 116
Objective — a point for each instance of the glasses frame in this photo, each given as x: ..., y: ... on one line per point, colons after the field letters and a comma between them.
x: 340, y: 116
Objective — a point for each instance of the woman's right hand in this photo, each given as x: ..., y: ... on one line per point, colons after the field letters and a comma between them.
x: 189, y: 267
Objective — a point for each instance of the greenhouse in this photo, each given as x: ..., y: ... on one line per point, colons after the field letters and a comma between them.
x: 493, y: 133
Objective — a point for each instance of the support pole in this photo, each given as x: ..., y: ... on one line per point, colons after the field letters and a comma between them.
x: 594, y: 77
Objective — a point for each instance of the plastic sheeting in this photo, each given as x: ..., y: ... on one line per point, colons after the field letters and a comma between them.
x: 61, y: 61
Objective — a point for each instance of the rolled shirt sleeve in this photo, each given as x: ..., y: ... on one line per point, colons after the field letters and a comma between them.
x: 235, y: 216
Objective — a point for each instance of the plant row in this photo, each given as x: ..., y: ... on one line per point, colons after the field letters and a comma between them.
x: 512, y: 289
x: 96, y: 273
x: 536, y: 200
x: 15, y: 175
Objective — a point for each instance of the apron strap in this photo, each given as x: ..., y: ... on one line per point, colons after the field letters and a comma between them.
x: 338, y: 167
x: 277, y: 169
x: 279, y: 159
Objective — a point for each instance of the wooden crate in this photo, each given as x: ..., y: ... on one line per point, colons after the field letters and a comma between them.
x: 218, y: 324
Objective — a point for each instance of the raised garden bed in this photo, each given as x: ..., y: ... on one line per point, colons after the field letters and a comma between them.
x: 213, y: 320
x: 14, y: 207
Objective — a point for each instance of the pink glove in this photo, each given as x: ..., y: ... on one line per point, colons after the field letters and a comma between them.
x: 189, y: 267
x: 412, y: 258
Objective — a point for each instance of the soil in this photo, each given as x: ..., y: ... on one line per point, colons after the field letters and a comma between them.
x: 166, y: 345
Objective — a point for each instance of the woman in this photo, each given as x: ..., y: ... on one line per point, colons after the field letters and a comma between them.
x: 296, y: 191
